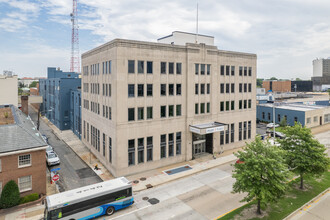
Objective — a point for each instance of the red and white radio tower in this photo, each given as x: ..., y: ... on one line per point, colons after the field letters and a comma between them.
x: 75, y: 58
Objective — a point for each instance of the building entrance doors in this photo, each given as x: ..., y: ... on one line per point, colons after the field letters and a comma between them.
x: 199, y: 147
x: 202, y: 144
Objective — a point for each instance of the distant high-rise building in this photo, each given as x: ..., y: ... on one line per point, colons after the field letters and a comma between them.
x: 321, y: 74
x: 7, y: 73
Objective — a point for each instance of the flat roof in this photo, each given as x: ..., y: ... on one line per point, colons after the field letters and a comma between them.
x: 91, y: 191
x: 20, y: 135
x: 295, y: 106
x: 208, y: 125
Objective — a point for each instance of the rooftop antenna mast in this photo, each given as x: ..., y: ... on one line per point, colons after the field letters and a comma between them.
x: 196, y: 26
x: 75, y: 57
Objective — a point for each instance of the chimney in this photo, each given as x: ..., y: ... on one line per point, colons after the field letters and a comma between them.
x: 25, y: 104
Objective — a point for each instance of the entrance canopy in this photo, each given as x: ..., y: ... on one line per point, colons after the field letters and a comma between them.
x: 207, y: 128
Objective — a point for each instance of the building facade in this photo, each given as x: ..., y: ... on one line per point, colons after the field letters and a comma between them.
x: 307, y: 114
x: 321, y: 74
x: 75, y: 112
x: 8, y: 90
x: 56, y: 93
x: 148, y: 105
x: 22, y: 152
x: 277, y: 86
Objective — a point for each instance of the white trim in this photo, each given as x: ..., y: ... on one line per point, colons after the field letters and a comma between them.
x: 23, y: 151
x: 25, y: 190
x: 25, y: 165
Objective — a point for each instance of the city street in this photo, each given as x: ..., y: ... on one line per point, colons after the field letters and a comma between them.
x: 202, y: 196
x: 74, y: 172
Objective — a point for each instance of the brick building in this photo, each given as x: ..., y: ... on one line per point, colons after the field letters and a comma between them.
x: 277, y: 86
x: 22, y: 152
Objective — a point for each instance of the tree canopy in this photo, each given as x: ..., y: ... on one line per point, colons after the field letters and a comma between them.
x: 33, y: 84
x: 304, y: 154
x: 262, y: 174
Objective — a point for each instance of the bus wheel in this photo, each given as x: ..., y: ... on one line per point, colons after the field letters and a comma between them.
x: 110, y: 210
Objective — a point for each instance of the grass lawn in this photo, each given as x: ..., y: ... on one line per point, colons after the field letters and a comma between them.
x: 293, y: 199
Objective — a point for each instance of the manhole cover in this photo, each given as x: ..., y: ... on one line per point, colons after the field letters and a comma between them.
x: 149, y: 186
x: 136, y: 181
x: 145, y: 198
x: 143, y: 178
x: 153, y: 201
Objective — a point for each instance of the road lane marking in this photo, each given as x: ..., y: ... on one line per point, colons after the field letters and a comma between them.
x: 131, y: 212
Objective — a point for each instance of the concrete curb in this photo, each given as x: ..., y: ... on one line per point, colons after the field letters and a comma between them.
x: 310, y: 201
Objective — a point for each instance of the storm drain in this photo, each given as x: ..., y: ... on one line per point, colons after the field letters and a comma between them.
x: 143, y: 178
x: 135, y: 181
x: 153, y: 201
x: 145, y: 198
x: 149, y: 186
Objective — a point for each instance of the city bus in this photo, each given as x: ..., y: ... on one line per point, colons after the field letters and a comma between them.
x: 90, y: 201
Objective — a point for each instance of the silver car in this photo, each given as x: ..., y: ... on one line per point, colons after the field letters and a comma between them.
x: 52, y: 158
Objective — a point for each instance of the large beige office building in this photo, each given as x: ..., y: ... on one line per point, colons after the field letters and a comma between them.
x: 148, y: 105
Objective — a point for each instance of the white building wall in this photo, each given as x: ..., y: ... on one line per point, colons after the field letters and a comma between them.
x: 181, y: 38
x: 317, y: 67
x: 8, y: 90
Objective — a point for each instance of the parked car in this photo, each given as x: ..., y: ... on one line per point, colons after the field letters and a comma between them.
x: 52, y: 158
x: 45, y: 138
x: 49, y: 148
x: 271, y: 125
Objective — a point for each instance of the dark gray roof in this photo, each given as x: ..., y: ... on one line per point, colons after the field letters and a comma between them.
x: 21, y: 135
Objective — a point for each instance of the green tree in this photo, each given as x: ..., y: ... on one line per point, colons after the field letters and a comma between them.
x: 259, y: 82
x: 10, y: 195
x: 298, y: 79
x: 262, y: 174
x: 20, y: 85
x: 273, y: 78
x: 33, y: 84
x: 304, y: 154
x: 283, y: 122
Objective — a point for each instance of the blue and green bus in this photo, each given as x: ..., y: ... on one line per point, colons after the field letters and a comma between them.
x: 90, y: 201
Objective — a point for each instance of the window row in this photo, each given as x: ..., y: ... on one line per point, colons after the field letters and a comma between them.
x: 200, y: 108
x: 106, y: 91
x: 95, y: 69
x: 104, y: 144
x: 170, y: 89
x: 230, y: 70
x: 95, y: 138
x: 95, y: 88
x: 140, y: 90
x: 170, y: 111
x: 163, y: 69
x: 107, y: 112
x: 230, y: 105
x: 86, y: 87
x: 203, y: 89
x: 170, y: 145
x: 141, y: 149
x: 149, y: 112
x: 95, y: 107
x: 86, y: 104
x: 202, y: 69
x: 106, y: 67
x: 224, y: 135
x: 85, y: 70
x: 244, y: 130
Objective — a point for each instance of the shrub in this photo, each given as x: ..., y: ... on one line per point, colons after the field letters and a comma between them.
x: 10, y: 195
x: 29, y: 198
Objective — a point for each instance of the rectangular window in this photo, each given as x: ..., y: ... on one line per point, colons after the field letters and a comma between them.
x: 240, y: 131
x: 140, y: 66
x: 24, y: 160
x: 131, y: 66
x: 149, y: 89
x: 222, y: 70
x: 170, y: 89
x: 222, y: 106
x: 163, y: 146
x: 103, y: 145
x: 240, y: 70
x: 196, y: 69
x: 131, y: 114
x: 171, y: 144
x: 140, y: 113
x: 249, y: 103
x: 222, y: 88
x: 178, y: 110
x: 244, y: 131
x: 149, y: 67
x: 240, y: 87
x: 163, y: 89
x: 232, y: 133
x: 227, y: 70
x: 170, y: 68
x: 245, y: 104
x: 140, y: 90
x: 178, y: 143
x: 222, y: 137
x: 149, y: 149
x: 232, y: 105
x: 208, y: 88
x: 295, y: 119
x: 163, y: 111
x: 110, y: 150
x: 263, y: 115
x: 131, y: 152
x: 178, y: 89
x: 178, y: 68
x: 245, y: 71
x: 250, y: 71
x: 233, y: 70
x: 240, y: 104
x: 227, y: 136
x: 203, y: 89
x: 245, y: 87
x: 227, y: 105
x: 208, y: 69
x: 279, y: 118
x: 149, y: 112
x: 140, y: 150
x: 232, y: 86
x: 202, y: 108
x: 227, y: 87
x: 315, y: 119
x: 249, y: 130
x: 202, y: 69
x: 131, y: 90
x: 170, y: 110
x: 250, y: 87
x: 196, y: 108
x: 268, y: 116
x: 208, y: 107
x: 109, y: 66
x: 25, y: 183
x: 196, y: 89
x: 163, y: 67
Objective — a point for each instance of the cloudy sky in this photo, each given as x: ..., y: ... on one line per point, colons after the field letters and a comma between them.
x: 286, y: 35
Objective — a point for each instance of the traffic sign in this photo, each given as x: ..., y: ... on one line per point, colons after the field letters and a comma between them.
x: 56, y: 177
x: 55, y: 169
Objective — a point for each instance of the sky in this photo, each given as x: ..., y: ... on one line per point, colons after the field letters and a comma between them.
x: 286, y: 35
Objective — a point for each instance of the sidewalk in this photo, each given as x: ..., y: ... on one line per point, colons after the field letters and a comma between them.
x: 28, y: 213
x: 151, y: 178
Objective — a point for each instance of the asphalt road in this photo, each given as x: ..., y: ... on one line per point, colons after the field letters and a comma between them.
x: 74, y: 172
x: 201, y: 196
